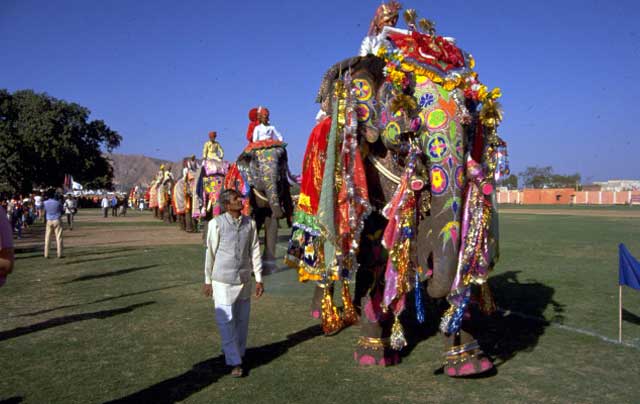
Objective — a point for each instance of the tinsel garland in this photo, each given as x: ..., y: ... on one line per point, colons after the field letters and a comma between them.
x: 331, y: 321
x: 349, y: 313
x: 397, y: 238
x: 473, y: 258
x: 397, y: 339
x: 353, y: 199
x: 419, y: 300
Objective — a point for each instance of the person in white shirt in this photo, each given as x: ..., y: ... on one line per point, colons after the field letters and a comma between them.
x: 39, y: 205
x: 69, y: 210
x: 233, y: 252
x: 265, y: 131
x: 105, y: 205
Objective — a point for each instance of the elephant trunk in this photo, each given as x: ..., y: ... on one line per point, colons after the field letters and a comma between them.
x: 439, y: 248
x: 270, y: 177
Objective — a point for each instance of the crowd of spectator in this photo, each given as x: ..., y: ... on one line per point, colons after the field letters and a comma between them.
x: 23, y: 211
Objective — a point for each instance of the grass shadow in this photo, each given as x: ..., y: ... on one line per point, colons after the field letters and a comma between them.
x: 106, y: 299
x: 515, y: 327
x: 630, y: 317
x: 58, y: 321
x: 109, y: 274
x: 101, y: 258
x: 12, y: 400
x: 104, y: 251
x: 519, y: 321
x: 207, y: 372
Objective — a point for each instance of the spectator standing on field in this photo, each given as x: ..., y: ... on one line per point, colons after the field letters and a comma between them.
x: 53, y: 212
x: 105, y: 206
x: 70, y: 209
x: 114, y: 206
x: 39, y: 202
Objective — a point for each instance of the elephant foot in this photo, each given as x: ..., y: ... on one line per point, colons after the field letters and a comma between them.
x: 466, y: 360
x: 375, y: 352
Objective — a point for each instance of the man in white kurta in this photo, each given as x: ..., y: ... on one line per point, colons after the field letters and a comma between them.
x: 233, y: 252
x: 265, y: 131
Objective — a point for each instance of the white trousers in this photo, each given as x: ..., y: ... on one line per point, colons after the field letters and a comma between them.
x: 233, y: 325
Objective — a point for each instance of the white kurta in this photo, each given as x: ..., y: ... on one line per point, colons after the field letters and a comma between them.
x: 266, y: 132
x: 224, y: 293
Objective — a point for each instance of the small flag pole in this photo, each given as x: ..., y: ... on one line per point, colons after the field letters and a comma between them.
x: 620, y: 314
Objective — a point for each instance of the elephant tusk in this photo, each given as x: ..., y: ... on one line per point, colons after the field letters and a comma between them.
x: 383, y: 170
x: 260, y: 195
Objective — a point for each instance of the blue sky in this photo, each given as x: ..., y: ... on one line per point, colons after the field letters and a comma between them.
x: 164, y: 73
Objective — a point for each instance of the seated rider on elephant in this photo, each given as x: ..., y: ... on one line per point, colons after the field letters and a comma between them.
x: 210, y: 181
x: 261, y: 174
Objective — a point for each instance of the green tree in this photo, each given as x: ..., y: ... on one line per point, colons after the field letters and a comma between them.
x: 43, y: 138
x: 541, y: 177
x: 511, y: 182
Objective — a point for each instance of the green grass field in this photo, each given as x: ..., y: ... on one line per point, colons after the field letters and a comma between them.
x: 129, y: 324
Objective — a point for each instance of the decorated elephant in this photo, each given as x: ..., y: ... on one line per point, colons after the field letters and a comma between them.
x: 397, y: 190
x: 261, y: 174
x: 185, y: 199
x: 210, y: 183
x: 164, y: 189
x: 153, y: 197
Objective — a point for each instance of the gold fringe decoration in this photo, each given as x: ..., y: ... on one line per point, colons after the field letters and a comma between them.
x: 398, y: 341
x: 427, y: 26
x: 410, y: 16
x: 491, y: 113
x: 404, y: 102
x: 331, y: 321
x: 487, y: 304
x: 374, y: 344
x: 349, y: 314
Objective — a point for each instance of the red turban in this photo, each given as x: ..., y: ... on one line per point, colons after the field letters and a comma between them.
x: 253, y: 114
x: 253, y: 118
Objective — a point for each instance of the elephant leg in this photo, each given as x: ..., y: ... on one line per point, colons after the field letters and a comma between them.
x: 373, y: 347
x: 155, y: 212
x: 181, y: 222
x: 188, y: 222
x: 270, y: 239
x: 462, y: 353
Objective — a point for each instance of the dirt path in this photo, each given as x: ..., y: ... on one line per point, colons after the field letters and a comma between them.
x: 139, y: 229
x: 142, y: 229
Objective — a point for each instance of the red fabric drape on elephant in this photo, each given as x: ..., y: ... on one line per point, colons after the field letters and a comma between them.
x: 345, y: 203
x: 235, y: 180
x: 313, y: 167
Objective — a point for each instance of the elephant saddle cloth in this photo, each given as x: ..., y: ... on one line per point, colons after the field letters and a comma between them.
x: 313, y: 167
x: 153, y: 196
x: 305, y: 241
x: 261, y: 144
x: 212, y: 189
x: 426, y: 50
x: 215, y: 167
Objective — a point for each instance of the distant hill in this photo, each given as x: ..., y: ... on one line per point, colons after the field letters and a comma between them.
x: 130, y: 170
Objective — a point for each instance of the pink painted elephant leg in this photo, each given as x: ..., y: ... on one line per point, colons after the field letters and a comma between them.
x: 463, y: 356
x: 373, y: 346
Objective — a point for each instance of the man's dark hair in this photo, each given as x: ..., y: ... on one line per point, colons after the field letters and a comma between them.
x: 226, y: 195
